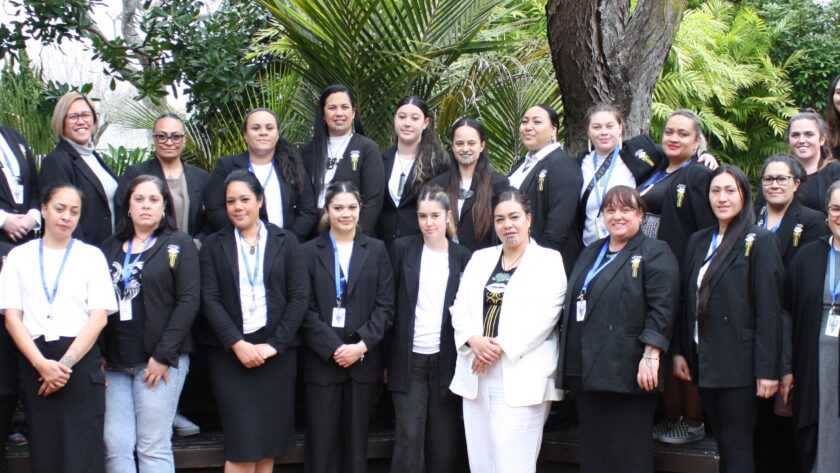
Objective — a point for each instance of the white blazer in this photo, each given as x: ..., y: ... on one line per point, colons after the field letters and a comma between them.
x: 527, y: 324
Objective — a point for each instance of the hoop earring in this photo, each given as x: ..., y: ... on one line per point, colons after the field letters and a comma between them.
x: 588, y: 145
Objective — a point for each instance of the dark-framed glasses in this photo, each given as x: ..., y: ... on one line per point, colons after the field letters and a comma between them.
x: 162, y: 138
x: 782, y: 180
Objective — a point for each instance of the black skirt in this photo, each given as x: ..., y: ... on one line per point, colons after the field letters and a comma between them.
x: 256, y: 405
x: 66, y: 428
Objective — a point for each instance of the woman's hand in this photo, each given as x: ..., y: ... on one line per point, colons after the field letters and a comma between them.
x: 266, y: 350
x: 54, y: 376
x: 347, y: 355
x: 707, y: 159
x: 154, y: 373
x: 681, y: 370
x: 485, y: 349
x: 648, y: 374
x: 786, y: 387
x: 248, y: 354
x: 766, y: 388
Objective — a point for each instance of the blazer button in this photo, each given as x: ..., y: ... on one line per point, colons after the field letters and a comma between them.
x: 610, y: 328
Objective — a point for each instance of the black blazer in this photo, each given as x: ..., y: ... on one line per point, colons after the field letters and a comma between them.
x: 361, y: 165
x: 171, y: 294
x: 805, y: 286
x: 287, y: 292
x: 65, y: 165
x: 800, y: 226
x: 299, y: 211
x: 742, y: 339
x: 466, y: 228
x: 370, y: 310
x: 9, y: 381
x: 406, y: 255
x: 28, y: 172
x: 396, y: 221
x: 554, y: 205
x: 624, y: 312
x: 196, y: 178
x: 686, y: 208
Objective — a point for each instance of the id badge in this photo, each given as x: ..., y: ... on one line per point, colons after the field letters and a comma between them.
x: 581, y: 310
x: 832, y: 327
x: 600, y: 227
x: 125, y: 310
x: 50, y: 332
x: 338, y: 317
x: 18, y: 193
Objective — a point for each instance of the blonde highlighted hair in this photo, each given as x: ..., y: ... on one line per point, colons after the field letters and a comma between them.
x: 61, y: 108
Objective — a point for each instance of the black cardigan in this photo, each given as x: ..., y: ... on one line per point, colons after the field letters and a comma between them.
x: 287, y: 292
x: 555, y: 206
x: 626, y: 309
x: 299, y: 210
x: 466, y: 228
x: 65, y: 165
x: 196, y: 178
x: 361, y: 165
x: 171, y: 294
x: 406, y: 256
x: 805, y: 286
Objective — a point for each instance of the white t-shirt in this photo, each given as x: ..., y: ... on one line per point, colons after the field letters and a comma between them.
x: 85, y: 285
x: 345, y: 252
x: 11, y: 171
x: 621, y: 176
x: 428, y: 313
x: 400, y: 166
x: 337, y: 146
x: 517, y: 177
x: 271, y: 188
x: 256, y: 319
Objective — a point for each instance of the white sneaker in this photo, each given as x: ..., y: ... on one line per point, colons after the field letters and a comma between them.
x: 184, y: 427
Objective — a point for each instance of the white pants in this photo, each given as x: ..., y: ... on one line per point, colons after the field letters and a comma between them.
x: 500, y: 438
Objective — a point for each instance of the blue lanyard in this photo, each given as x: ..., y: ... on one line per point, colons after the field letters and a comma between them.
x: 766, y: 220
x: 128, y: 264
x: 252, y: 276
x: 661, y: 175
x: 599, y: 196
x: 340, y: 281
x: 714, y: 247
x: 268, y: 178
x: 832, y: 261
x: 599, y: 266
x: 51, y: 295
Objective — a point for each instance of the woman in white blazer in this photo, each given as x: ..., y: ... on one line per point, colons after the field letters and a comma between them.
x: 504, y: 318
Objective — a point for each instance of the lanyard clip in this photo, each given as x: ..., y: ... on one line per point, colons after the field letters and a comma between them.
x: 338, y: 302
x: 582, y: 295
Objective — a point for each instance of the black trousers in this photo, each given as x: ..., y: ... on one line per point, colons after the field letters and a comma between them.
x: 429, y: 432
x: 66, y: 428
x: 774, y: 442
x: 616, y: 430
x: 337, y: 425
x: 732, y: 414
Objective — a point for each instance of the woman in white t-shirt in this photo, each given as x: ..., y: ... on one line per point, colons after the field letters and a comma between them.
x: 56, y: 295
x: 429, y: 435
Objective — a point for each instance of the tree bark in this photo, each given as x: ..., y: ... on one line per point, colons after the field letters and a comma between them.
x: 604, y: 54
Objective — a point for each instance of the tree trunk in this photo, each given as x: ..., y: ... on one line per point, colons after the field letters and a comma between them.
x: 604, y: 54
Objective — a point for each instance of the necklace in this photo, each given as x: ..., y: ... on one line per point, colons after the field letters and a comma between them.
x: 513, y: 264
x: 332, y: 158
x: 142, y: 240
x: 252, y: 247
x: 401, y: 184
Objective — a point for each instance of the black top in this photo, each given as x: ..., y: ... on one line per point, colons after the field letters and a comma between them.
x: 124, y: 338
x: 28, y: 175
x: 299, y: 210
x: 65, y: 165
x: 466, y: 228
x: 197, y: 180
x: 656, y: 196
x: 362, y: 165
x: 494, y: 294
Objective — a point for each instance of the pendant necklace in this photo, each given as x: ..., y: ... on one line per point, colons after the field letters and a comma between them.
x: 401, y: 185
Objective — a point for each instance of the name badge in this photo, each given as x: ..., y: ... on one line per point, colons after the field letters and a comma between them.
x: 125, y: 310
x: 581, y: 310
x: 50, y: 332
x: 338, y: 316
x: 18, y: 193
x: 832, y: 327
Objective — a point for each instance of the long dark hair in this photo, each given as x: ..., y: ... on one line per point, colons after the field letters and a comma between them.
x: 291, y: 166
x: 125, y: 226
x: 739, y: 225
x: 482, y: 212
x: 321, y: 136
x: 832, y: 116
x: 431, y: 158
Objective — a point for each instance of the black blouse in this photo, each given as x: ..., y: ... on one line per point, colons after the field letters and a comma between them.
x: 494, y: 294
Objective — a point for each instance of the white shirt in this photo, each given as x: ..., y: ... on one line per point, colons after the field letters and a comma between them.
x: 621, y: 176
x: 248, y: 298
x: 335, y: 149
x: 401, y: 166
x: 345, y: 252
x: 273, y: 196
x: 531, y: 159
x: 85, y: 285
x: 11, y: 171
x: 700, y: 275
x: 428, y: 313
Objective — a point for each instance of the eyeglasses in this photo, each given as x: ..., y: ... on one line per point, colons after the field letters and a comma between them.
x: 161, y: 138
x: 782, y: 180
x: 74, y: 117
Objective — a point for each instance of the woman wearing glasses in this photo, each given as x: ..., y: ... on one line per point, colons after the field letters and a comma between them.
x: 185, y: 182
x: 75, y: 161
